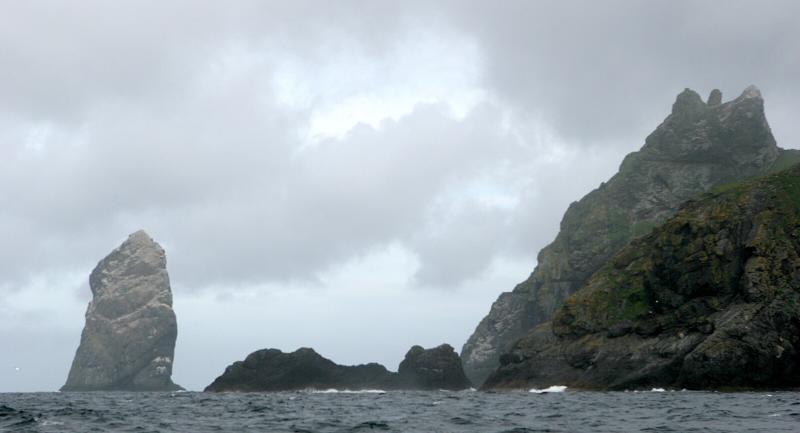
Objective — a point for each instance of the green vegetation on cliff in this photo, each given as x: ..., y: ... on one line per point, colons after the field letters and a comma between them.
x: 699, y: 146
x: 711, y: 298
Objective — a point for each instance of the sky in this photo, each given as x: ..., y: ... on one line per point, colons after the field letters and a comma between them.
x: 352, y: 176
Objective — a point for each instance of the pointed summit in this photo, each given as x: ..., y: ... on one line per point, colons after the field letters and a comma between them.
x: 139, y: 236
x: 128, y: 342
x: 696, y: 148
x: 688, y: 102
x: 714, y: 98
x: 751, y: 92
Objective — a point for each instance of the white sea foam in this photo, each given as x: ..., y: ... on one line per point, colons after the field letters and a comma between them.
x: 554, y: 388
x: 347, y: 391
x: 657, y: 390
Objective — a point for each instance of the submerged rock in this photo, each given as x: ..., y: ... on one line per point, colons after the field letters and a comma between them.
x: 710, y: 299
x: 128, y: 342
x: 697, y: 147
x: 273, y: 370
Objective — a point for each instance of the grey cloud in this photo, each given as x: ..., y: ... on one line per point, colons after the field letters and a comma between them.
x: 339, y: 199
x: 164, y: 116
x: 463, y: 248
x: 600, y: 71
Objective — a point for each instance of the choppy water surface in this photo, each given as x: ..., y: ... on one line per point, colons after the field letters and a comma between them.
x: 467, y: 411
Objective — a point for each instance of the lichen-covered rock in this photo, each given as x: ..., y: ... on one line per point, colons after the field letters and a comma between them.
x: 697, y: 147
x: 710, y: 299
x: 128, y: 342
x: 437, y: 368
x: 273, y: 370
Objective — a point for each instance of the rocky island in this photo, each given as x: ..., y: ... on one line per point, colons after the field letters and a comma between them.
x: 710, y: 299
x: 128, y: 342
x: 699, y: 146
x: 273, y: 370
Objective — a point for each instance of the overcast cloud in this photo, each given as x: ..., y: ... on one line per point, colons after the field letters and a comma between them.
x: 330, y: 174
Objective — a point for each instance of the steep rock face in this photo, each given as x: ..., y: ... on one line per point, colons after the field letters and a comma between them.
x: 437, y: 368
x: 711, y: 299
x: 128, y: 342
x: 273, y: 370
x: 697, y: 147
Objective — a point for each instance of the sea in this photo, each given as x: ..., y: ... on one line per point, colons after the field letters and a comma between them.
x: 552, y: 410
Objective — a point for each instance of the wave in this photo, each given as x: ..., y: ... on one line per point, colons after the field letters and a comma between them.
x: 347, y: 391
x: 10, y: 417
x: 554, y: 388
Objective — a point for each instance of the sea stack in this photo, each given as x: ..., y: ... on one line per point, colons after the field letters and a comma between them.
x: 128, y: 342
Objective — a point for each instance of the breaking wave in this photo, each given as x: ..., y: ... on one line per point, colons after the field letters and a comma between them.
x: 347, y: 391
x: 554, y: 388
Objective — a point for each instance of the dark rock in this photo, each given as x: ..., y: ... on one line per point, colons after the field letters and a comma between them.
x: 689, y: 104
x: 437, y: 368
x: 695, y: 149
x: 620, y: 329
x: 714, y: 98
x: 704, y: 317
x: 128, y: 342
x: 705, y: 327
x: 273, y: 370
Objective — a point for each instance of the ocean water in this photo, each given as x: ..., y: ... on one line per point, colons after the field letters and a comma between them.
x: 467, y: 411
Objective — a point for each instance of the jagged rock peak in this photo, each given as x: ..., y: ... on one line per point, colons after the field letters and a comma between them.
x: 751, y: 92
x: 714, y: 98
x: 140, y: 237
x: 128, y: 342
x: 687, y: 101
x: 694, y: 149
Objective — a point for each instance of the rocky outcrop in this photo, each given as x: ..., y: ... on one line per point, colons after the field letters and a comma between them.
x: 128, y: 342
x: 437, y: 368
x: 710, y: 299
x: 714, y: 98
x: 273, y: 370
x: 697, y: 147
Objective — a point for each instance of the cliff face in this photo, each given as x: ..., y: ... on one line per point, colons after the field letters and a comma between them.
x: 273, y: 370
x: 128, y: 342
x: 711, y: 299
x: 697, y: 147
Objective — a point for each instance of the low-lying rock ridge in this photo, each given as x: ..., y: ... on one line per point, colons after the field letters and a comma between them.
x: 710, y: 299
x: 128, y: 342
x: 273, y: 370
